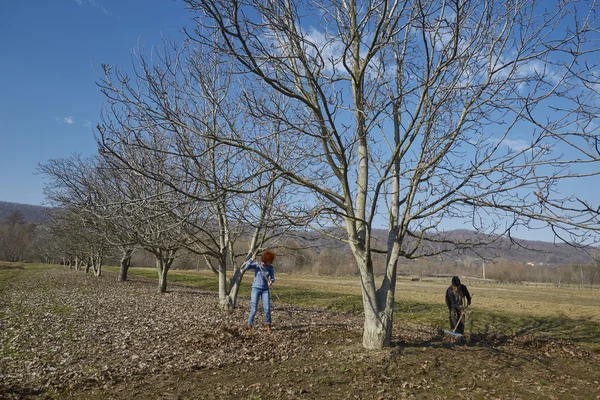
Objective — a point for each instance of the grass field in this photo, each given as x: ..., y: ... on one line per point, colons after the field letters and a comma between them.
x: 558, y: 313
x: 67, y: 334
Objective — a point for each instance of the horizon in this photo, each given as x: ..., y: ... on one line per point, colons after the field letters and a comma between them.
x: 374, y: 228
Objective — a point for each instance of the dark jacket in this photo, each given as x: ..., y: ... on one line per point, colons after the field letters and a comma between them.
x: 456, y: 302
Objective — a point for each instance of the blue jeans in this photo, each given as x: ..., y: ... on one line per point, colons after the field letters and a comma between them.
x: 266, y: 301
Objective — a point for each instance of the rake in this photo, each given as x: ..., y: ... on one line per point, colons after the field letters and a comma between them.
x: 453, y: 331
x: 273, y: 291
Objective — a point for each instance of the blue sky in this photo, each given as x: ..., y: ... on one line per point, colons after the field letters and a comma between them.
x: 52, y: 51
x: 51, y: 56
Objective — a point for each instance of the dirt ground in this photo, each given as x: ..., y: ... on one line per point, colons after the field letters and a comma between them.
x: 65, y: 334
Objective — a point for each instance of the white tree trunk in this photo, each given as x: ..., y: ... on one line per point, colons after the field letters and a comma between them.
x: 234, y: 289
x: 96, y: 261
x: 377, y: 329
x: 379, y: 303
x: 223, y: 295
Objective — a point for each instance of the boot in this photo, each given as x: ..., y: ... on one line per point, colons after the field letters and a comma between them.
x: 268, y: 328
x: 249, y: 330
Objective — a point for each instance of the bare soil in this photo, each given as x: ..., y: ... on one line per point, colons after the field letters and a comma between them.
x: 65, y: 334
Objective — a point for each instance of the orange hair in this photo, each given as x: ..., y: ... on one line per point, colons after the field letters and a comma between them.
x: 267, y: 257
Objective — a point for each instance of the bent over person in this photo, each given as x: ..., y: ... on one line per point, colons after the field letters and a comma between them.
x: 264, y: 276
x: 457, y: 299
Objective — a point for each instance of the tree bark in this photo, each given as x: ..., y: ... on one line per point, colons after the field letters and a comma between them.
x: 162, y: 265
x: 97, y: 264
x: 234, y: 287
x: 379, y: 303
x: 224, y: 299
x: 125, y: 263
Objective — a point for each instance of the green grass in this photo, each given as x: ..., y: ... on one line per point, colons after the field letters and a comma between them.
x: 62, y: 309
x: 479, y: 321
x: 342, y: 295
x: 6, y: 275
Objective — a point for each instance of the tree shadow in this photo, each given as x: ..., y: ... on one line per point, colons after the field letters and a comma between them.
x: 492, y: 330
x: 17, y: 392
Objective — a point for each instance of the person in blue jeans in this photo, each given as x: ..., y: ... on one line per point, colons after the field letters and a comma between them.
x: 264, y: 277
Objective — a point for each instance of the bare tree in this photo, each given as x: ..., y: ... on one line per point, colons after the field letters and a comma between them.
x: 172, y: 108
x: 578, y: 132
x: 82, y: 232
x: 106, y: 206
x: 408, y: 113
x: 15, y: 237
x: 143, y: 212
x: 109, y: 197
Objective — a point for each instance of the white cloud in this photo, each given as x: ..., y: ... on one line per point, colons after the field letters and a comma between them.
x: 68, y: 120
x: 94, y: 4
x: 87, y: 123
x: 516, y: 145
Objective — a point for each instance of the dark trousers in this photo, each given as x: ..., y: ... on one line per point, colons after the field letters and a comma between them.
x: 454, y: 317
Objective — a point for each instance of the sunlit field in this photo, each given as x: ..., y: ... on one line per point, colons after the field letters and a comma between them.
x: 68, y: 334
x: 555, y: 312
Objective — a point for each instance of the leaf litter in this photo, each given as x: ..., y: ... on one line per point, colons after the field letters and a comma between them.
x: 66, y: 334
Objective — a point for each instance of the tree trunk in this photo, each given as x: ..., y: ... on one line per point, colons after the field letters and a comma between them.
x: 377, y: 329
x: 378, y: 304
x: 375, y: 324
x: 162, y: 265
x: 97, y: 264
x: 234, y: 287
x: 125, y: 263
x: 224, y: 299
x: 162, y: 280
x: 96, y: 261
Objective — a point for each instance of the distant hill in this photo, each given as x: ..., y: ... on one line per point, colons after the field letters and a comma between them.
x: 516, y: 251
x: 503, y: 249
x: 31, y: 213
x: 532, y: 252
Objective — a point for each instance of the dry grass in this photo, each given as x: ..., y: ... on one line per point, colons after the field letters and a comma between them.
x: 11, y: 265
x: 516, y: 299
x: 551, y: 312
x: 67, y: 334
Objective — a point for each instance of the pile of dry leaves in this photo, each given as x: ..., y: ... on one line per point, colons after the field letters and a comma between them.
x: 70, y: 334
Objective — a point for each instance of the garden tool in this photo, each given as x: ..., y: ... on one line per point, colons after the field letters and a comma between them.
x: 273, y: 291
x: 453, y: 331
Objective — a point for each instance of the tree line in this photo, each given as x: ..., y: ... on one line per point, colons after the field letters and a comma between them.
x: 339, y: 117
x: 19, y: 242
x: 16, y: 237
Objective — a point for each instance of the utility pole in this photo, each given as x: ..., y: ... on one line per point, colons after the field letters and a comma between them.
x: 483, y: 265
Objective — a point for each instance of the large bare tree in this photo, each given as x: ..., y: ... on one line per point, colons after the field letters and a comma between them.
x: 172, y: 106
x: 411, y: 114
x: 579, y: 134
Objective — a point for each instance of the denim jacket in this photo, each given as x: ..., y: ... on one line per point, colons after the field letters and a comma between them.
x: 260, y: 271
